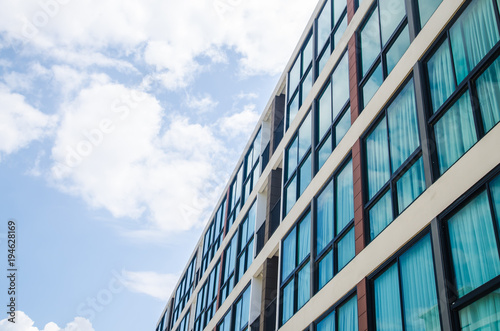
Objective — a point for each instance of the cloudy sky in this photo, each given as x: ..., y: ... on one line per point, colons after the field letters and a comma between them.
x: 120, y: 123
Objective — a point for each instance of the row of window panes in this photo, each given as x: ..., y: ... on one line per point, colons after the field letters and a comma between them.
x: 238, y: 254
x: 206, y: 302
x: 252, y: 168
x: 237, y: 318
x: 333, y: 241
x: 183, y: 292
x: 213, y: 237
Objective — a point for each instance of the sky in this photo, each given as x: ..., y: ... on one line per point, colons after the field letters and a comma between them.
x: 120, y: 124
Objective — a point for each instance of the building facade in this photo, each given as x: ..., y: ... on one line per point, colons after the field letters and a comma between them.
x: 368, y: 197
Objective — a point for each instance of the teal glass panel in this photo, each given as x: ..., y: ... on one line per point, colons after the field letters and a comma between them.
x: 307, y: 55
x: 340, y: 85
x: 372, y: 85
x: 324, y: 151
x: 420, y: 304
x: 391, y: 14
x: 294, y: 77
x: 327, y: 323
x: 293, y: 109
x: 346, y: 249
x: 348, y: 315
x: 340, y: 31
x: 305, y: 136
x: 380, y: 215
x: 397, y: 49
x: 304, y: 289
x: 338, y: 8
x: 345, y: 197
x: 307, y: 84
x: 387, y: 301
x: 325, y: 112
x: 495, y: 192
x: 370, y: 42
x: 324, y: 218
x: 287, y: 302
x: 411, y: 185
x: 324, y: 26
x: 377, y: 158
x: 343, y: 126
x: 426, y: 8
x: 455, y: 133
x: 323, y: 59
x: 488, y: 90
x: 288, y: 255
x: 292, y: 157
x: 440, y: 71
x: 305, y: 174
x: 472, y: 36
x: 325, y: 270
x: 473, y: 245
x: 304, y: 244
x: 482, y: 314
x: 403, y: 126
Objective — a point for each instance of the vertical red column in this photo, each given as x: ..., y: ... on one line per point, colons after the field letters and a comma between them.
x: 353, y: 79
x: 362, y: 306
x: 351, y: 9
x: 359, y: 228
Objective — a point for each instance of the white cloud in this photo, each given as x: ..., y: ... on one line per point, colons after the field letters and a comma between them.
x: 114, y: 154
x: 20, y: 123
x: 157, y: 285
x: 24, y: 323
x: 202, y: 104
x: 169, y: 35
x: 242, y: 123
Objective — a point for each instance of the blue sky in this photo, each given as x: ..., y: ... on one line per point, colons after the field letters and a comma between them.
x: 120, y: 123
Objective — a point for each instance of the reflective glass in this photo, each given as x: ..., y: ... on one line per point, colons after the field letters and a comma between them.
x: 324, y: 25
x: 397, y: 49
x: 380, y: 215
x: 482, y: 314
x: 304, y: 289
x: 472, y: 36
x: 345, y: 197
x: 403, y: 127
x: 346, y: 249
x: 287, y: 302
x: 426, y: 8
x: 340, y: 85
x: 338, y: 8
x: 325, y: 218
x: 488, y: 90
x: 327, y: 323
x: 288, y: 255
x: 305, y: 136
x: 495, y: 192
x: 440, y: 71
x: 307, y: 85
x: 324, y: 112
x: 325, y: 270
x: 294, y: 77
x: 392, y: 13
x: 304, y: 238
x: 473, y: 245
x: 305, y: 174
x: 340, y: 31
x: 455, y: 133
x: 293, y: 109
x: 323, y: 59
x: 348, y: 315
x: 370, y: 42
x: 292, y: 157
x: 324, y: 152
x: 307, y: 55
x: 343, y: 126
x: 387, y: 301
x: 411, y: 185
x: 372, y: 84
x: 377, y: 158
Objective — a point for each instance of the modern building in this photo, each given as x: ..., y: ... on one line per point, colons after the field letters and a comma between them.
x: 368, y: 197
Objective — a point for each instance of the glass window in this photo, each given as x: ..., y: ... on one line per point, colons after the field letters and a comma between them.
x: 295, y: 268
x: 298, y: 173
x: 473, y: 245
x: 384, y: 38
x: 347, y: 317
x: 488, y: 89
x: 242, y: 311
x: 393, y: 160
x: 333, y: 111
x: 213, y: 237
x: 426, y: 8
x: 455, y: 133
x: 331, y: 25
x: 252, y: 169
x: 407, y: 292
x: 229, y: 262
x: 184, y: 291
x: 206, y: 302
x: 482, y: 314
x: 300, y: 80
x: 441, y: 80
x: 245, y: 247
x: 225, y: 324
x: 335, y: 226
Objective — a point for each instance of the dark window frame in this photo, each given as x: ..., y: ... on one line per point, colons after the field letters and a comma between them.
x: 350, y: 295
